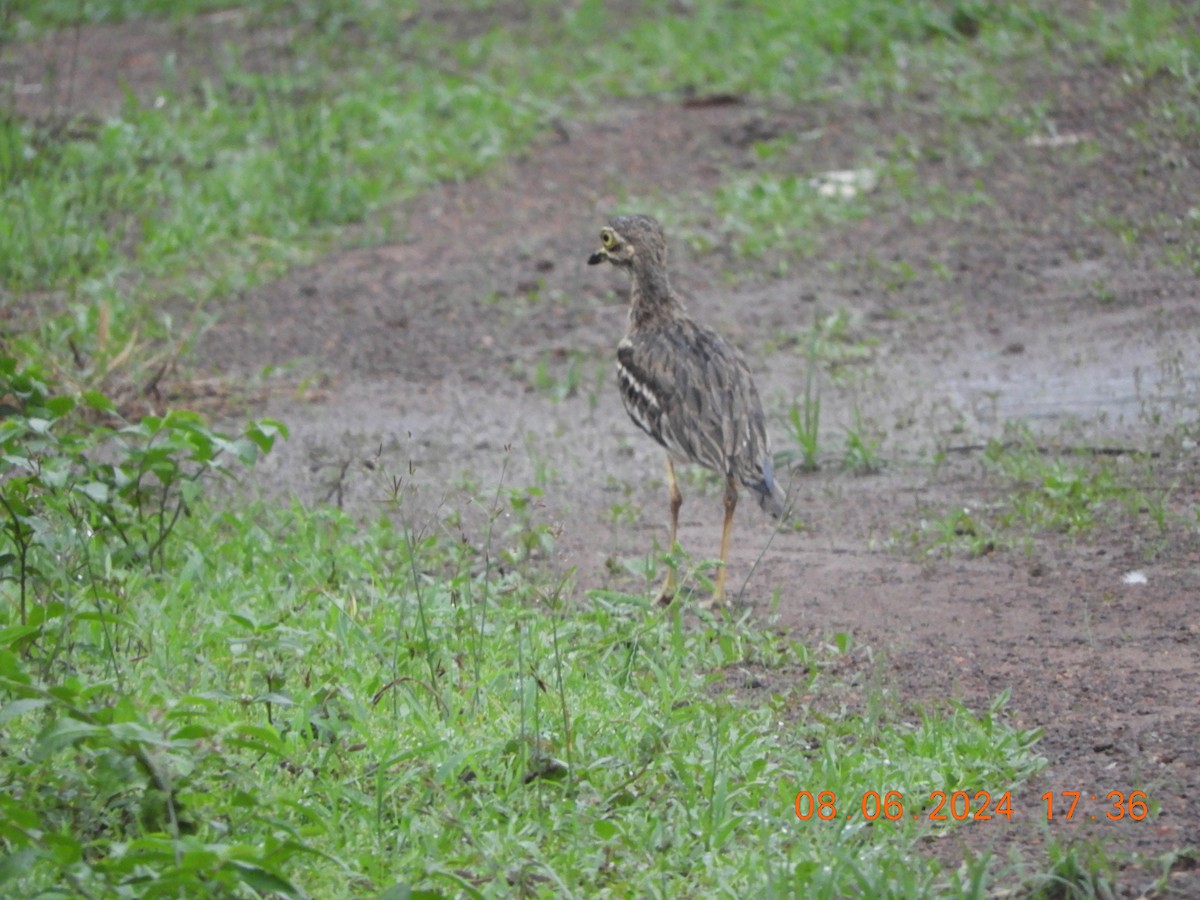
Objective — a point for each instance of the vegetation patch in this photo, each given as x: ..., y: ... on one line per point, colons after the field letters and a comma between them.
x: 226, y: 177
x: 1034, y: 490
x: 281, y: 700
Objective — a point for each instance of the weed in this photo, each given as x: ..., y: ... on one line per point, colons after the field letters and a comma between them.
x: 63, y: 13
x: 1037, y: 491
x: 861, y: 455
x: 561, y: 375
x: 83, y: 498
x: 1076, y: 872
x: 90, y: 512
x: 1167, y: 863
x: 956, y: 531
x: 805, y: 424
x: 830, y: 342
x: 1147, y: 37
x: 1103, y: 292
x: 1052, y: 495
x: 927, y: 202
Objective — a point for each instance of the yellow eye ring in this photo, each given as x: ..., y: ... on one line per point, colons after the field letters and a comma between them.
x: 607, y: 240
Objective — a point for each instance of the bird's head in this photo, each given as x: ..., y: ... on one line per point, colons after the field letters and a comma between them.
x: 631, y: 241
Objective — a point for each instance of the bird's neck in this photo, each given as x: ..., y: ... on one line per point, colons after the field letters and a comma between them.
x: 651, y: 296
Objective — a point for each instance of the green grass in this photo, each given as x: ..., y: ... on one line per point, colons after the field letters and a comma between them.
x: 758, y: 213
x: 347, y: 709
x: 1031, y: 491
x: 565, y: 375
x: 23, y: 17
x: 235, y: 700
x: 1077, y: 872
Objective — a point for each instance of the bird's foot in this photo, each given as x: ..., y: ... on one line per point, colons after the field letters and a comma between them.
x: 716, y: 601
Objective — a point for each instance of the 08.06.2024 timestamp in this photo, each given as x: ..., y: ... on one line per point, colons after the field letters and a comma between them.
x: 958, y: 806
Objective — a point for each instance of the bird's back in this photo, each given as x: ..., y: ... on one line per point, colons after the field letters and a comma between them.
x: 690, y: 390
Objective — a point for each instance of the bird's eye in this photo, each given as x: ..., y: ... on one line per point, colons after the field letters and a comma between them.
x: 607, y: 240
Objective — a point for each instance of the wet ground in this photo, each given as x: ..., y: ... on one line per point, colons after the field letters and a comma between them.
x: 477, y: 350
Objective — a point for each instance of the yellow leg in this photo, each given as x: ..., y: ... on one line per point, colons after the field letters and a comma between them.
x: 731, y: 497
x: 676, y: 499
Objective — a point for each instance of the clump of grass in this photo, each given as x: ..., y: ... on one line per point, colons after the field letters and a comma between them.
x: 957, y: 531
x: 806, y: 419
x: 1083, y: 871
x: 564, y: 375
x: 762, y: 215
x: 1053, y: 494
x: 51, y: 14
x: 1037, y: 491
x: 1147, y: 37
x: 861, y: 454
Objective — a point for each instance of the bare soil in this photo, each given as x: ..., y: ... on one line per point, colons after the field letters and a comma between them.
x: 423, y: 358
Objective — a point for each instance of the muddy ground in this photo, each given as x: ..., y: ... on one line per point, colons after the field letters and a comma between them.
x: 476, y: 350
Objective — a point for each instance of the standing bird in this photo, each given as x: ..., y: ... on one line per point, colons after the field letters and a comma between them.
x: 684, y: 385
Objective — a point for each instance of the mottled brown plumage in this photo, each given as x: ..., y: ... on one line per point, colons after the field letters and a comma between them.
x: 685, y: 385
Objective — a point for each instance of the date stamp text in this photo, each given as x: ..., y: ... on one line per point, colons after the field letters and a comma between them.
x: 959, y: 806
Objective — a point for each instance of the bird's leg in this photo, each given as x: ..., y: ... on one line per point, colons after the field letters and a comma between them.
x: 676, y: 499
x: 731, y: 496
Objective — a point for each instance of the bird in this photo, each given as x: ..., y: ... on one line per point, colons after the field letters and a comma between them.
x: 686, y: 386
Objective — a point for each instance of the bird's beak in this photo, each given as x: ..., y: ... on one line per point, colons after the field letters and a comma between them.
x: 596, y: 258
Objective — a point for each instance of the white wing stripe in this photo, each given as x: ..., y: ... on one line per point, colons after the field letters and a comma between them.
x: 631, y: 384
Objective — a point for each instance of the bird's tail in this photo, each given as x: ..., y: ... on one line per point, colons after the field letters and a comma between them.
x: 770, y: 495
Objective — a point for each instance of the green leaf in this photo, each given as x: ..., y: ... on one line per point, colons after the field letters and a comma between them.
x: 17, y: 864
x: 56, y: 472
x: 95, y: 490
x: 263, y: 433
x: 98, y: 401
x: 184, y: 419
x: 263, y: 738
x: 20, y: 707
x: 605, y: 830
x: 148, y: 426
x: 137, y: 733
x: 60, y: 406
x: 404, y: 892
x: 19, y: 462
x: 192, y: 732
x: 261, y: 879
x: 62, y: 733
x: 242, y: 449
x: 151, y: 849
x: 17, y: 821
x: 14, y: 634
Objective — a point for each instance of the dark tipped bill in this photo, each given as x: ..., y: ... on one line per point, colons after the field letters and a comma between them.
x: 595, y: 259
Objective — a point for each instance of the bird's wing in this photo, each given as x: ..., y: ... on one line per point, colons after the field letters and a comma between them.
x: 691, y: 391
